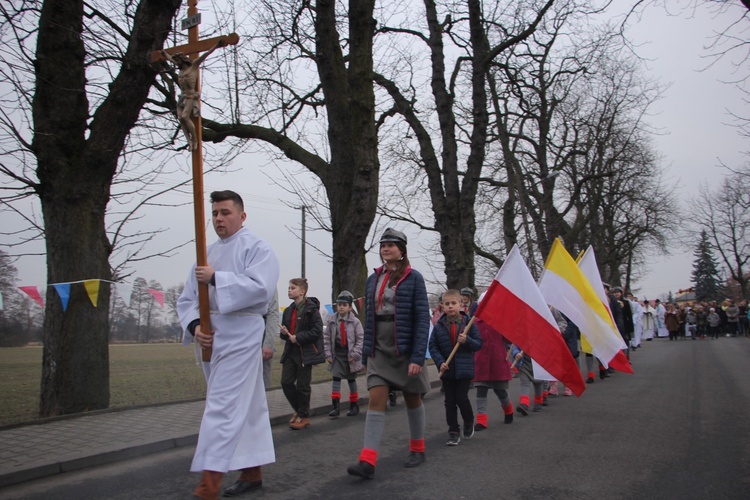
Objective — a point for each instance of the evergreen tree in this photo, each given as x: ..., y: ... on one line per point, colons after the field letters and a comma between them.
x: 706, y: 279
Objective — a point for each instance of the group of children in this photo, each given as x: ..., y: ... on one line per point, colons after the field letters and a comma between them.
x: 476, y: 356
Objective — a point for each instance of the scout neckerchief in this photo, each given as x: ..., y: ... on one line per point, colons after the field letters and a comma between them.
x: 293, y: 325
x: 342, y: 329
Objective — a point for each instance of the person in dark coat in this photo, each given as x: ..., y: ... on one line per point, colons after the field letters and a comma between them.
x: 456, y: 375
x: 302, y: 333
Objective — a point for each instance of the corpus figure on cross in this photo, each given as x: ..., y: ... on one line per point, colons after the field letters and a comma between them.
x: 188, y: 104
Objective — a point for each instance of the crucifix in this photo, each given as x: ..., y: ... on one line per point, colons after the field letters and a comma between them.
x: 187, y: 60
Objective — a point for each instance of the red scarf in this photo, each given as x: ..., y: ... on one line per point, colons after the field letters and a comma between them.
x: 342, y: 329
x: 293, y: 323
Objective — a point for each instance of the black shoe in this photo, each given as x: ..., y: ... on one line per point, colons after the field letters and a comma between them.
x: 602, y: 374
x: 590, y: 380
x: 353, y: 410
x: 362, y: 469
x: 415, y: 459
x: 508, y: 418
x: 468, y: 430
x: 241, y: 487
x: 335, y: 410
x: 522, y: 409
x: 392, y: 398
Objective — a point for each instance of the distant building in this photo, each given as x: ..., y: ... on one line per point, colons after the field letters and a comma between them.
x: 685, y: 297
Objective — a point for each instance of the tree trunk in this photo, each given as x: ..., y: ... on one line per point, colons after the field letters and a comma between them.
x: 77, y: 156
x: 353, y: 177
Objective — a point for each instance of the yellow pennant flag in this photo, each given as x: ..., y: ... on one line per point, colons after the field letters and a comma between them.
x: 92, y: 289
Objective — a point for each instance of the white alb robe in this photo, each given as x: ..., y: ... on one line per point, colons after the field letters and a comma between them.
x: 235, y: 432
x: 661, y: 326
x: 637, y: 323
x: 649, y: 322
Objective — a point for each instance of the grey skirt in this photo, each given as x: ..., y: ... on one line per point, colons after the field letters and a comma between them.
x: 388, y: 368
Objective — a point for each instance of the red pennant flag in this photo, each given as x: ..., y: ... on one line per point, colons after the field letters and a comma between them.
x: 158, y: 295
x: 33, y: 292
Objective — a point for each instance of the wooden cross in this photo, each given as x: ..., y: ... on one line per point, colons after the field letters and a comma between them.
x: 192, y: 49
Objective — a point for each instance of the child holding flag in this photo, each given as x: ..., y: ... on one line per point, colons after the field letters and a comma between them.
x: 456, y: 377
x: 343, y: 346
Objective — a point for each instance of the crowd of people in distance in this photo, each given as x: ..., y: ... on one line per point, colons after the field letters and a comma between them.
x: 707, y: 320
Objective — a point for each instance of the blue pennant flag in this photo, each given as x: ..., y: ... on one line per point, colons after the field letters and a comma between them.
x: 63, y: 290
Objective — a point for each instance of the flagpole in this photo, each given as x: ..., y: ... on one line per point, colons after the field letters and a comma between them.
x: 455, y: 347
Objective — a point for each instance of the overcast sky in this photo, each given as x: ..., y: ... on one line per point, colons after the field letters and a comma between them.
x: 696, y: 136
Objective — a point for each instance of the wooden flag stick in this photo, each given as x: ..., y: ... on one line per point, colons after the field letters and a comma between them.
x: 455, y: 347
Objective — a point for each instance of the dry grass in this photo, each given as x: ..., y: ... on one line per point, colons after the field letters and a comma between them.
x: 139, y: 374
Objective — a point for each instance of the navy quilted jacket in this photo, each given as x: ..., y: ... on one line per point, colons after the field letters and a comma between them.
x: 462, y: 364
x: 412, y: 316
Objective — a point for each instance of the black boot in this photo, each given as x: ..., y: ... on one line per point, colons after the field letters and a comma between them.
x: 335, y: 411
x: 353, y: 409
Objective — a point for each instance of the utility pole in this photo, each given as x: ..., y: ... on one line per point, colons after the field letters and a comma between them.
x: 303, y: 241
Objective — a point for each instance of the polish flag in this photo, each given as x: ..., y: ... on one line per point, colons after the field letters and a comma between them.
x: 514, y: 306
x: 566, y: 287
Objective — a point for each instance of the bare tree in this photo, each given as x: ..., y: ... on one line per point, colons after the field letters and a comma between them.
x: 725, y: 214
x: 328, y: 126
x: 452, y: 157
x: 78, y: 94
x: 170, y: 302
x: 573, y: 148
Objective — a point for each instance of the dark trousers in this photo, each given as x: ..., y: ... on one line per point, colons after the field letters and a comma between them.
x: 457, y: 397
x: 295, y: 382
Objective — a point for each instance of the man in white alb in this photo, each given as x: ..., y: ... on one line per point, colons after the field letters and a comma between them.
x: 241, y: 275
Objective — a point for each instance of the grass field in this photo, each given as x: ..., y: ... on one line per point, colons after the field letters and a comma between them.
x: 139, y: 374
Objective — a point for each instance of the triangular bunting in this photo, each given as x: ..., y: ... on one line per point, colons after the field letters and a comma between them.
x: 33, y: 292
x: 63, y: 290
x: 158, y: 295
x: 92, y: 289
x: 125, y: 291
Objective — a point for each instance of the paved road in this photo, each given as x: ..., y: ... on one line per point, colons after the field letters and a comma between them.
x: 679, y: 428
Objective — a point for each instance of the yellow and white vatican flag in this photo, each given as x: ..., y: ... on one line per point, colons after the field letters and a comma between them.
x: 566, y: 288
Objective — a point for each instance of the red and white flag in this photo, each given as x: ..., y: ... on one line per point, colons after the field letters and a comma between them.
x: 514, y: 306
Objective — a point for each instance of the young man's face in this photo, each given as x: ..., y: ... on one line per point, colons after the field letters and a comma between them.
x: 295, y: 292
x: 452, y: 305
x: 343, y: 308
x: 227, y: 218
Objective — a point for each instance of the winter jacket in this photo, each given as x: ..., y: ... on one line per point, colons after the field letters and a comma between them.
x: 733, y: 314
x: 441, y: 345
x: 354, y: 337
x: 308, y: 332
x: 571, y: 336
x: 615, y: 307
x: 672, y: 321
x: 412, y: 317
x: 714, y: 320
x: 490, y: 363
